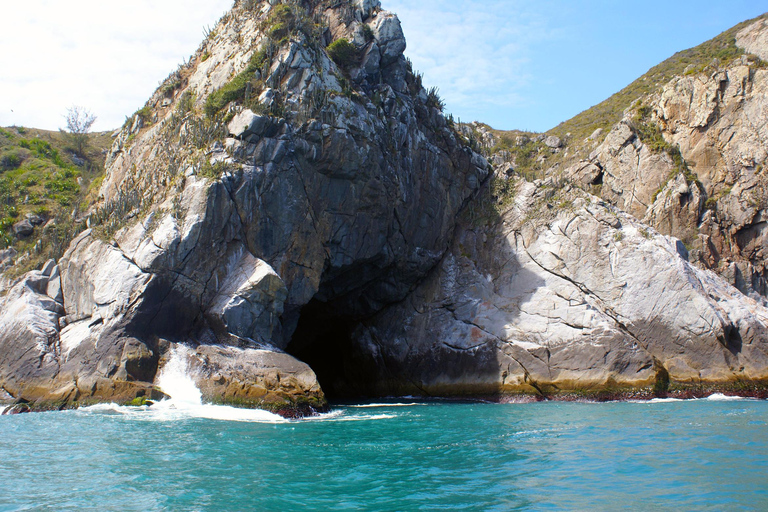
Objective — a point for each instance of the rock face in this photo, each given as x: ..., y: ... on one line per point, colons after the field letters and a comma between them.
x: 541, y: 300
x: 217, y: 230
x: 716, y: 120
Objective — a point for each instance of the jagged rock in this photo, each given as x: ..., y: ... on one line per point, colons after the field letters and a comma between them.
x: 715, y: 120
x: 7, y: 256
x: 345, y: 229
x: 342, y: 202
x: 19, y: 408
x: 389, y: 37
x: 677, y: 209
x: 367, y: 7
x: 250, y: 301
x: 247, y: 125
x: 23, y: 228
x: 48, y: 267
x: 553, y: 142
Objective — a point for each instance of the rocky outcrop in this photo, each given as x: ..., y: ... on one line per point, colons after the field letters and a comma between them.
x: 717, y: 202
x: 290, y: 220
x: 337, y: 187
x: 563, y: 293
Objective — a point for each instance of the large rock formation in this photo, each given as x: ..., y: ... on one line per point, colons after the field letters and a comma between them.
x: 717, y: 200
x: 296, y: 211
x: 563, y: 293
x: 335, y: 185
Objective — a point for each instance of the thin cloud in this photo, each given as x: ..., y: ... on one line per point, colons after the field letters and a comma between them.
x: 478, y: 53
x: 106, y: 56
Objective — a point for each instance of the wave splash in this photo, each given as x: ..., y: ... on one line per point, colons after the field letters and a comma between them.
x: 186, y: 400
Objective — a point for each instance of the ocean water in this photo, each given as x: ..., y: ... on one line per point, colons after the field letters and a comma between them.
x: 709, y: 454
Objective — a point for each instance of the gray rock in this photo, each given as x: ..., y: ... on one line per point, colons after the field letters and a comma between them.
x: 553, y: 142
x: 7, y: 255
x: 247, y: 125
x: 389, y: 37
x: 581, y: 297
x: 250, y: 301
x: 367, y: 7
x: 35, y: 220
x: 23, y: 229
x: 48, y: 268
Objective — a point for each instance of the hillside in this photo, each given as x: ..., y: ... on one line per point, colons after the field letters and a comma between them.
x: 44, y: 181
x: 581, y: 134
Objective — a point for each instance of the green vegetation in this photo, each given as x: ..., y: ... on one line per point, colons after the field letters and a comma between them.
x: 237, y: 88
x: 434, y: 100
x: 604, y: 115
x: 343, y: 53
x: 140, y: 401
x: 285, y: 20
x: 368, y: 33
x: 524, y: 154
x: 145, y: 114
x: 41, y: 176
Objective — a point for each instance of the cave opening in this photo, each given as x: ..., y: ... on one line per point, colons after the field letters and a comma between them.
x: 323, y: 339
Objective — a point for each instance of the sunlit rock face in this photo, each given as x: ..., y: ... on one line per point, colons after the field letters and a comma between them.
x: 717, y: 119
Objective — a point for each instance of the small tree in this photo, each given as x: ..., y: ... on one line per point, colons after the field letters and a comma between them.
x: 79, y: 123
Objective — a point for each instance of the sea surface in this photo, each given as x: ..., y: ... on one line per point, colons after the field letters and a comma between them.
x: 183, y: 455
x: 693, y: 455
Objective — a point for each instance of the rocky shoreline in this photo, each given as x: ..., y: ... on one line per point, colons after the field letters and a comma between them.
x: 309, y: 226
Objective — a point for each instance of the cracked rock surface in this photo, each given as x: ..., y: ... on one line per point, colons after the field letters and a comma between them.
x: 579, y: 297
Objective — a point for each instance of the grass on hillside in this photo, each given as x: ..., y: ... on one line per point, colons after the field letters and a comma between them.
x: 533, y: 160
x: 41, y: 175
x: 606, y: 114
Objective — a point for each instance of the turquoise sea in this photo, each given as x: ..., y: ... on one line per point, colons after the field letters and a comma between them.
x: 709, y: 454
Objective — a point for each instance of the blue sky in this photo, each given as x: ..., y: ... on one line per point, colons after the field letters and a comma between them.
x: 526, y: 64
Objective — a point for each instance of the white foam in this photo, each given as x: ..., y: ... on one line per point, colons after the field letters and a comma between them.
x: 719, y: 397
x: 174, y: 379
x: 363, y: 417
x: 663, y: 400
x: 185, y: 400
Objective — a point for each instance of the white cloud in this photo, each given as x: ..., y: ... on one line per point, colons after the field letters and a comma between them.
x: 106, y: 56
x: 477, y: 52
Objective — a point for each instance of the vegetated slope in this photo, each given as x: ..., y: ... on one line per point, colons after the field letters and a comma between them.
x: 575, y: 133
x: 687, y: 154
x: 687, y: 62
x: 44, y: 182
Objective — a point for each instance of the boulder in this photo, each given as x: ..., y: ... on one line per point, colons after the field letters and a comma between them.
x: 389, y: 37
x: 553, y: 142
x: 23, y: 229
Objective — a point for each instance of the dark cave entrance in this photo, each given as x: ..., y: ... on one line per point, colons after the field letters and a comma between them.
x: 323, y: 340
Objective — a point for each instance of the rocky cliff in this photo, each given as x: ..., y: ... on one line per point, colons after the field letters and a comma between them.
x: 689, y: 160
x: 264, y: 182
x: 294, y: 206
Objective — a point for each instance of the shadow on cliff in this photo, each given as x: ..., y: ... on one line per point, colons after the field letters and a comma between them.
x: 446, y: 338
